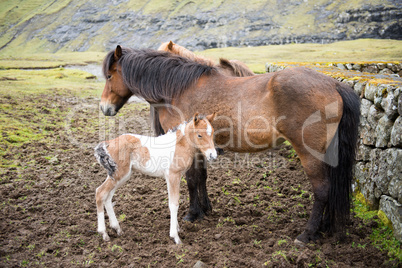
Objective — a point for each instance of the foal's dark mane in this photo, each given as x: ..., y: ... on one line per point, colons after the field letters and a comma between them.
x: 156, y: 76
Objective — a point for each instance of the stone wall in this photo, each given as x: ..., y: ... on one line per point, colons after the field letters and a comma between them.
x: 378, y: 171
x: 381, y: 67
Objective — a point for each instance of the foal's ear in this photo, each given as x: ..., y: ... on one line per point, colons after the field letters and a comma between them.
x: 196, y: 119
x: 170, y: 45
x: 118, y: 53
x: 211, y: 117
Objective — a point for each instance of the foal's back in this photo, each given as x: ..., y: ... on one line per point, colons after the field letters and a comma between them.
x: 149, y: 155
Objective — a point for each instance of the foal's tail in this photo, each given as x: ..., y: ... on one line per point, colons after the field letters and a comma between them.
x: 343, y: 146
x: 104, y: 158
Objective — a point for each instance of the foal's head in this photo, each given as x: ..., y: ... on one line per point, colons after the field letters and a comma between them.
x: 201, y: 135
x: 116, y: 93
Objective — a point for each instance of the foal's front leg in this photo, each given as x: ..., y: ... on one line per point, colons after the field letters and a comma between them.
x: 173, y: 183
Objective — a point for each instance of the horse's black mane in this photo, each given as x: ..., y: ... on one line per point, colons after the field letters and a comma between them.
x: 156, y: 76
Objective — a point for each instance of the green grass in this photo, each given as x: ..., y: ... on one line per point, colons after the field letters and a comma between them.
x: 48, y: 60
x: 382, y: 236
x: 363, y: 50
x: 346, y: 51
x: 28, y: 112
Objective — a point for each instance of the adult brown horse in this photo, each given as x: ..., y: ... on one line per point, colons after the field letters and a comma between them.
x: 317, y: 114
x: 228, y: 67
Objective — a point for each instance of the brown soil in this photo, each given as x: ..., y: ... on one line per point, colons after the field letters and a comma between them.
x: 259, y: 207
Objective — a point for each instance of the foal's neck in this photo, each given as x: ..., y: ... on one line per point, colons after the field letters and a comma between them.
x: 183, y: 144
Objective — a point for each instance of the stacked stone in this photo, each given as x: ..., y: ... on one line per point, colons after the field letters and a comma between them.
x: 377, y: 68
x: 378, y: 171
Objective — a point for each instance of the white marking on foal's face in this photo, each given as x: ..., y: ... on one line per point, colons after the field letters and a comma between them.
x: 209, y: 129
x: 182, y: 128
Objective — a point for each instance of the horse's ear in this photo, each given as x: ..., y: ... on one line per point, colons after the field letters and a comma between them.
x: 196, y: 119
x: 118, y: 53
x: 211, y: 117
x: 170, y: 45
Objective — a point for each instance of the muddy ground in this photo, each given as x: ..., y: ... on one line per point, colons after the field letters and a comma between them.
x: 261, y: 202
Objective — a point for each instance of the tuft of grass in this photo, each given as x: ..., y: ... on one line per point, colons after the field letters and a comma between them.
x: 382, y: 236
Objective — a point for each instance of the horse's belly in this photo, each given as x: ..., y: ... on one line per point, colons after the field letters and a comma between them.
x: 249, y: 138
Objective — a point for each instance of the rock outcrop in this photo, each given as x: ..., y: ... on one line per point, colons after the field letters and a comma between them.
x: 100, y: 25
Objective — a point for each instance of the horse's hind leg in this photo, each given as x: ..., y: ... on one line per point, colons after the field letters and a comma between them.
x: 315, y: 170
x: 102, y: 193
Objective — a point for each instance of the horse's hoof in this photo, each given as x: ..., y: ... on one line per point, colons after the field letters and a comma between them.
x: 207, y: 210
x: 299, y: 243
x: 192, y: 217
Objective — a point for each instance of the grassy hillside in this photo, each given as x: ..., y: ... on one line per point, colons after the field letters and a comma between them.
x: 35, y: 26
x: 347, y: 51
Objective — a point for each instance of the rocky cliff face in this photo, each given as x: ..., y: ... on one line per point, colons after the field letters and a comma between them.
x: 73, y: 25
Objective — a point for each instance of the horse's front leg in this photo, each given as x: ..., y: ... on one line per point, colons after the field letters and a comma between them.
x: 196, y: 178
x: 201, y: 166
x: 173, y: 183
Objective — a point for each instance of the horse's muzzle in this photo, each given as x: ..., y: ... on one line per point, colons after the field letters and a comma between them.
x: 108, y: 110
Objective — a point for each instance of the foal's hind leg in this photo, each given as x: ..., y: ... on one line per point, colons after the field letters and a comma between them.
x: 102, y: 193
x: 114, y: 223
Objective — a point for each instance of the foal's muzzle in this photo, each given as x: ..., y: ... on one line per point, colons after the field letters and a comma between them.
x: 211, y: 154
x: 108, y: 109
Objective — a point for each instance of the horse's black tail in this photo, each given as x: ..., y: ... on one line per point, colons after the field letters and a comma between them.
x: 104, y: 158
x: 343, y: 150
x: 156, y: 124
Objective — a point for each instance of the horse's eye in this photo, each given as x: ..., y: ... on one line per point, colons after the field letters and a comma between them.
x: 109, y: 76
x: 199, y: 136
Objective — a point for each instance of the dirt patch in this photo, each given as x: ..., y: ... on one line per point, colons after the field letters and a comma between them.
x: 259, y: 207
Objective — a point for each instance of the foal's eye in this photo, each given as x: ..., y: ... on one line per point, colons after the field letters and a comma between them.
x: 199, y: 136
x: 109, y: 76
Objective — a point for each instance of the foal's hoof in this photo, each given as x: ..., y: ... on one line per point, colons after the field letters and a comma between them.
x: 105, y: 237
x: 119, y: 232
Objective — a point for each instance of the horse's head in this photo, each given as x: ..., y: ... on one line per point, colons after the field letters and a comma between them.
x: 116, y: 93
x: 201, y: 134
